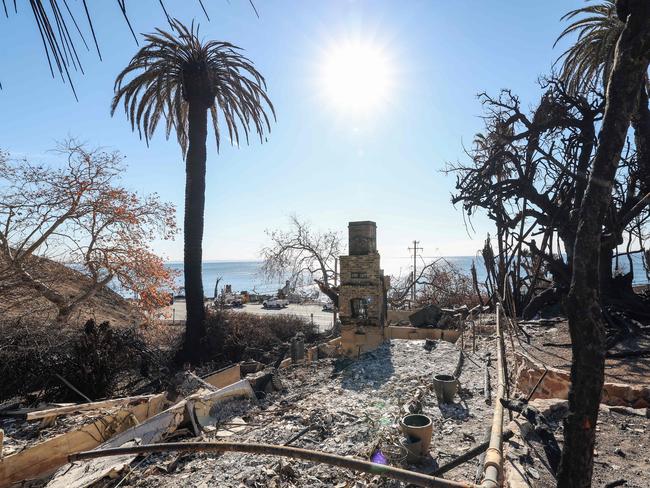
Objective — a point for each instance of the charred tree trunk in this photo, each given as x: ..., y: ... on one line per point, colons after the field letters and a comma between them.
x: 585, y: 316
x: 475, y: 284
x: 329, y: 291
x: 193, y: 228
x: 547, y: 297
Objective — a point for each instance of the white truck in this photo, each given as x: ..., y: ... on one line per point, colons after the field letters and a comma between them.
x: 275, y: 302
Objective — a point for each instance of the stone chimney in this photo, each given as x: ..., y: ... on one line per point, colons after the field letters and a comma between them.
x: 362, y: 292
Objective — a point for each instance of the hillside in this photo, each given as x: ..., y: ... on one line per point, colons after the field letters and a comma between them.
x: 17, y: 300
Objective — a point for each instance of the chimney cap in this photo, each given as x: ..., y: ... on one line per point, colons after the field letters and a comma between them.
x: 362, y: 222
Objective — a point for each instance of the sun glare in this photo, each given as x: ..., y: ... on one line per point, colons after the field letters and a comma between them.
x: 356, y: 76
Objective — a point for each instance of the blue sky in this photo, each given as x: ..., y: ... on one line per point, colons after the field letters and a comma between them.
x: 327, y: 165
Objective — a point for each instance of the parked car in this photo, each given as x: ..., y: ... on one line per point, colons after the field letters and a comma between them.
x: 328, y: 307
x: 275, y: 302
x: 236, y: 303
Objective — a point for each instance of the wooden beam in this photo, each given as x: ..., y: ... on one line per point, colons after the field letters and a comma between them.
x: 31, y: 414
x: 224, y: 377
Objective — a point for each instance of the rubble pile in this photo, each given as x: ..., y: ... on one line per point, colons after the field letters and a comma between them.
x: 435, y: 317
x: 346, y: 407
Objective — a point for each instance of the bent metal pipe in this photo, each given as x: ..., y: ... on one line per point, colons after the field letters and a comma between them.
x: 399, y: 474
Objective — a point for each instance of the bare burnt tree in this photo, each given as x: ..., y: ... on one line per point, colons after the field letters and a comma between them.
x: 446, y: 285
x: 401, y: 287
x: 529, y: 173
x: 302, y: 255
x: 440, y: 283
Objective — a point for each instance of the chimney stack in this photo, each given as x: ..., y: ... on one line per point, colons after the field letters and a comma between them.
x: 362, y: 238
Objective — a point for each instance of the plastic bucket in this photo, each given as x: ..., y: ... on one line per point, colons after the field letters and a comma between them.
x: 446, y: 387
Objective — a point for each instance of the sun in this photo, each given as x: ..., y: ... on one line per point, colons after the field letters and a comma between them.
x: 356, y: 76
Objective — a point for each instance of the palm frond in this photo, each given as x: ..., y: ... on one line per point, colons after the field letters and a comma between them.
x: 55, y: 30
x: 588, y: 62
x: 174, y: 68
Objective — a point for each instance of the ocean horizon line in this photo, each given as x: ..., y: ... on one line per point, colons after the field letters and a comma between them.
x: 243, y: 260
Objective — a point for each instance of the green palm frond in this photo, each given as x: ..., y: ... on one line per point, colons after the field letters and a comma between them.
x: 588, y: 62
x: 175, y: 68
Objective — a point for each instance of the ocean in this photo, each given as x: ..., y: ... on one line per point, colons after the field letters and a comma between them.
x: 247, y: 275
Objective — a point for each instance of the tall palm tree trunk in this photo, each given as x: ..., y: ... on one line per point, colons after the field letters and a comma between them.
x: 585, y: 318
x: 193, y: 228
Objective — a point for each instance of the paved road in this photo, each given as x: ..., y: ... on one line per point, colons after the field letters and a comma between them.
x: 323, y: 320
x: 310, y: 312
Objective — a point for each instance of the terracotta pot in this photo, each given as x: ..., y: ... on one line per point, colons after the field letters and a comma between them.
x: 418, y: 427
x: 445, y: 386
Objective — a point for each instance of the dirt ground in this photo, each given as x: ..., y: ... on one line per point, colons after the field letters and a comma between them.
x: 551, y: 344
x: 21, y: 302
x: 621, y: 453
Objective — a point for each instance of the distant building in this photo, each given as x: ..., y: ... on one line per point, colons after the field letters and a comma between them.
x: 362, y: 292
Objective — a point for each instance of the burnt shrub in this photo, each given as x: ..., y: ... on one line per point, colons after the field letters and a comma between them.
x: 238, y: 336
x: 97, y: 359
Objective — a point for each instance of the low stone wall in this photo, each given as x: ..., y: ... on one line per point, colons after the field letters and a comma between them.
x: 399, y: 316
x: 356, y: 341
x: 416, y: 333
x: 556, y: 385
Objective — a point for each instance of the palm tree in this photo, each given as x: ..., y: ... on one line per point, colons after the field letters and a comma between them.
x: 588, y: 62
x: 180, y: 78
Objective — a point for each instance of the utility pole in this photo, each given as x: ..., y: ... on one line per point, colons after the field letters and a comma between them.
x: 415, y: 250
x: 336, y: 282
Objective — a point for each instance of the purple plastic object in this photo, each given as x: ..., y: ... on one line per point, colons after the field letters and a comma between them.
x: 379, y: 458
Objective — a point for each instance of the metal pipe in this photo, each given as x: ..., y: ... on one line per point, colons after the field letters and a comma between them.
x: 492, y: 466
x: 398, y: 474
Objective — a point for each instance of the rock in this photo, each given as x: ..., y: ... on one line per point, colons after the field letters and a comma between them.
x: 533, y: 472
x: 429, y: 345
x: 428, y: 315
